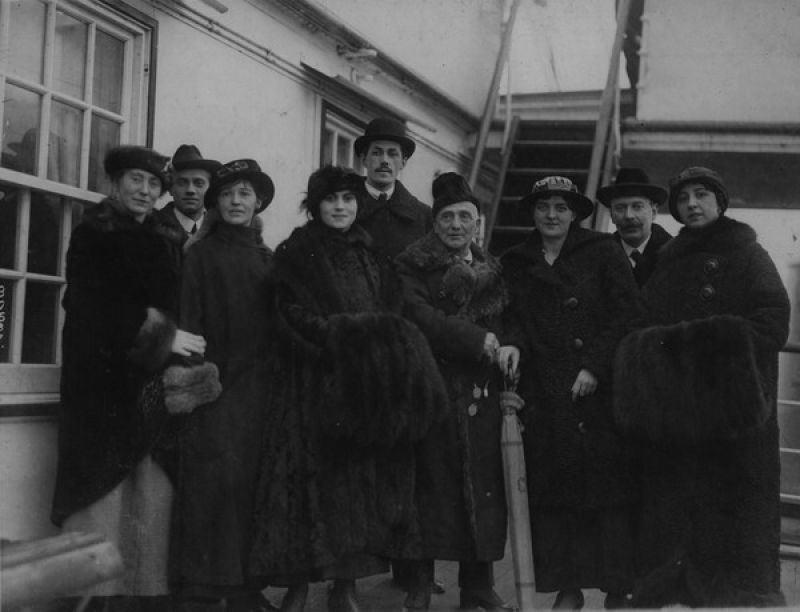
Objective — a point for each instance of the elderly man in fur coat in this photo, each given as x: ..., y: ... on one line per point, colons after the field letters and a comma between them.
x: 698, y: 390
x: 454, y: 293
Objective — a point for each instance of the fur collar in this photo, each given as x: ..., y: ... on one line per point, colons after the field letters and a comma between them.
x: 311, y: 238
x: 722, y: 236
x: 577, y: 238
x: 213, y: 221
x: 106, y: 217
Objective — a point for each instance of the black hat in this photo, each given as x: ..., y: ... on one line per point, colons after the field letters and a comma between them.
x: 559, y: 185
x: 188, y: 157
x: 130, y: 157
x: 450, y: 188
x: 631, y: 182
x: 697, y: 174
x: 327, y: 180
x: 241, y: 170
x: 385, y: 128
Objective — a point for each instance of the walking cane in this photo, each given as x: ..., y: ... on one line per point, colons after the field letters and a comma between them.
x: 517, y: 493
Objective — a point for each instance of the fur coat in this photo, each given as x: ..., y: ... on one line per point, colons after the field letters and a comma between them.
x: 356, y: 385
x: 459, y: 470
x: 697, y: 390
x: 119, y: 304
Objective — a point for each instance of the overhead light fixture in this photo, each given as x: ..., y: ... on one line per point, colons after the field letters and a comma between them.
x: 359, y: 53
x: 216, y: 5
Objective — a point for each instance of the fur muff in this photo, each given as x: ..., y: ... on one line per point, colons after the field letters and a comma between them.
x: 382, y: 383
x: 689, y: 382
x: 152, y: 345
x: 188, y: 387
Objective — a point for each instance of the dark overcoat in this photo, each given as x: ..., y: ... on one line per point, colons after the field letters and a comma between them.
x: 118, y: 329
x: 698, y: 389
x: 225, y: 298
x: 170, y: 228
x: 644, y: 269
x: 460, y: 489
x: 355, y: 386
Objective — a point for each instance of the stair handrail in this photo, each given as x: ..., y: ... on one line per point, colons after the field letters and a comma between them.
x: 505, y: 162
x: 493, y: 93
x: 606, y: 114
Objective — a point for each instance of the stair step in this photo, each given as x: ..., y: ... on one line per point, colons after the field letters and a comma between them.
x: 556, y: 130
x: 514, y: 229
x: 538, y: 142
x: 548, y: 171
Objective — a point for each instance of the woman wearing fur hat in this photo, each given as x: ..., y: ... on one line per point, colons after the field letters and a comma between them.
x: 120, y: 306
x: 225, y: 298
x: 355, y: 386
x: 572, y: 294
x: 454, y: 292
x: 697, y: 390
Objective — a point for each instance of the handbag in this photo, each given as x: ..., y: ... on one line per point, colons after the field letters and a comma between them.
x: 188, y: 386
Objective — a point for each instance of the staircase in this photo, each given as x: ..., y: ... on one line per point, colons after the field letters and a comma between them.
x: 540, y: 148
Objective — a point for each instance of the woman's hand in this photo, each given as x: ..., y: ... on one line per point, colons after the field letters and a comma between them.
x: 187, y: 344
x: 585, y: 384
x: 508, y: 360
x: 490, y: 346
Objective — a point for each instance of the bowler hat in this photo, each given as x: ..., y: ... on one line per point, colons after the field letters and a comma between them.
x: 631, y: 182
x: 188, y: 157
x: 131, y: 157
x: 697, y: 174
x: 241, y: 170
x: 450, y: 188
x: 561, y: 186
x: 385, y: 128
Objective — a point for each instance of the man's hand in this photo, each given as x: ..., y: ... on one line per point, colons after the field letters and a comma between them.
x: 585, y: 384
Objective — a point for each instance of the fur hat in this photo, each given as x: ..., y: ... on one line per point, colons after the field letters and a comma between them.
x: 697, y: 174
x: 385, y: 128
x: 130, y: 157
x: 188, y: 157
x: 559, y: 185
x: 451, y: 188
x: 241, y: 170
x: 327, y: 180
x: 631, y: 182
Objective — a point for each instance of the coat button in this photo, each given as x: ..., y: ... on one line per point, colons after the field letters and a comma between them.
x: 570, y: 302
x: 582, y: 427
x: 578, y: 344
x: 711, y: 265
x: 472, y: 410
x: 707, y: 292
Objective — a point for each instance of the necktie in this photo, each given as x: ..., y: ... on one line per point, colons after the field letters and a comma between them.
x: 383, y: 197
x: 194, y: 228
x: 636, y: 257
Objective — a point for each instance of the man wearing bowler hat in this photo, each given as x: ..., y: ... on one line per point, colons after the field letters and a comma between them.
x: 633, y: 202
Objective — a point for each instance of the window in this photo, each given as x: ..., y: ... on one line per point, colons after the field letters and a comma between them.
x: 339, y: 132
x: 75, y: 83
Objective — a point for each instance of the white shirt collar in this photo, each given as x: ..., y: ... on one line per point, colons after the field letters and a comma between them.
x: 375, y: 193
x: 187, y: 222
x: 629, y: 249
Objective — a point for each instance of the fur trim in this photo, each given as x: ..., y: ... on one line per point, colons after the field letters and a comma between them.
x: 382, y: 382
x: 153, y: 343
x: 690, y: 382
x: 186, y: 388
x: 210, y: 221
x: 722, y: 236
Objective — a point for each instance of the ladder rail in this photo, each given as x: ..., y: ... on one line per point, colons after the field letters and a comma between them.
x: 505, y: 162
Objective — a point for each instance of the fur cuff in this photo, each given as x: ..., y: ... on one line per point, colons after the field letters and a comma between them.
x: 689, y: 382
x: 186, y: 388
x: 153, y: 343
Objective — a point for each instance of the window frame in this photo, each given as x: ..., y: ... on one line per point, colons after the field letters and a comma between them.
x: 342, y: 123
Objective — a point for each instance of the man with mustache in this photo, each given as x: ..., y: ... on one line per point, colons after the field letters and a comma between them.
x: 633, y: 202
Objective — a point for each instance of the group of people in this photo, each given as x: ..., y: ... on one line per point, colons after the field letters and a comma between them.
x: 234, y: 418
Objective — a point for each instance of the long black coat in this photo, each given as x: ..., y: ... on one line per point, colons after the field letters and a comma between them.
x: 355, y: 386
x: 460, y: 488
x: 119, y: 303
x: 698, y: 391
x: 225, y: 298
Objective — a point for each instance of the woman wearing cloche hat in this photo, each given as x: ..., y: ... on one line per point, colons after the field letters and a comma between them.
x: 697, y: 390
x: 572, y: 295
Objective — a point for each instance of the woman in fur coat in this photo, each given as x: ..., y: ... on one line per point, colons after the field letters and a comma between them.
x: 120, y: 306
x: 697, y: 391
x: 355, y: 385
x: 455, y: 294
x: 572, y: 295
x: 225, y: 297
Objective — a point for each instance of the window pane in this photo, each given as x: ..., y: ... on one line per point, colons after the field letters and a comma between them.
x: 327, y: 146
x: 108, y: 71
x: 344, y: 147
x: 21, y: 120
x: 39, y: 329
x: 6, y: 299
x: 26, y: 40
x: 105, y: 136
x: 44, y: 240
x: 64, y: 152
x: 8, y: 225
x: 70, y: 55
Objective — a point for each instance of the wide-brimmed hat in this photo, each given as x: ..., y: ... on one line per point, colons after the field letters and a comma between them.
x: 562, y: 186
x: 631, y: 182
x: 450, y: 188
x: 697, y: 174
x: 188, y: 157
x: 132, y: 157
x: 327, y: 180
x: 241, y: 170
x: 385, y: 128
